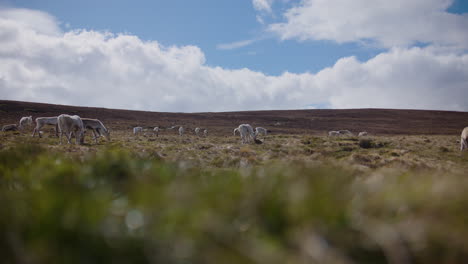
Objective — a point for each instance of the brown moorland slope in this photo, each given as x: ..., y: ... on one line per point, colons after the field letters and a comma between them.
x: 319, y: 121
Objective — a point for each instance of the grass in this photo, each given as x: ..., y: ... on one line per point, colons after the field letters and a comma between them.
x: 293, y: 199
x: 434, y: 152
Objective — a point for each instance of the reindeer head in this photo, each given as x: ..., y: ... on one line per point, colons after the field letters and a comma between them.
x: 81, y: 136
x: 106, y: 134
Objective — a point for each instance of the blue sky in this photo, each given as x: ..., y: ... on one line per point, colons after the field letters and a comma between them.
x: 277, y: 43
x: 206, y: 24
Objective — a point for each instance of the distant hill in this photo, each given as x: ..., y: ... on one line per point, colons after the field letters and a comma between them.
x: 319, y: 121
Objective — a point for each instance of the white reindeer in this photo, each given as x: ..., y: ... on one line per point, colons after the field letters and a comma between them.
x: 260, y: 130
x: 156, y: 131
x: 181, y: 131
x: 42, y: 121
x: 137, y: 130
x: 236, y: 130
x: 247, y: 133
x: 25, y: 121
x: 205, y: 132
x: 197, y: 131
x: 363, y: 134
x: 69, y: 125
x: 333, y: 133
x: 98, y: 128
x: 464, y: 139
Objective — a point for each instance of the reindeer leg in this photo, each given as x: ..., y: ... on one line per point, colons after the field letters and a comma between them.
x: 61, y: 135
x: 69, y: 135
x: 77, y: 140
x: 96, y: 135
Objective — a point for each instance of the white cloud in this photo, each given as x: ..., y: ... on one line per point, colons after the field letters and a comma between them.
x: 40, y: 63
x: 38, y: 21
x: 401, y: 78
x: 235, y: 45
x: 263, y: 5
x: 102, y: 69
x: 260, y: 19
x: 388, y: 23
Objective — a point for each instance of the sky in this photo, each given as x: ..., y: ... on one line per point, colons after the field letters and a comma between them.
x: 224, y: 55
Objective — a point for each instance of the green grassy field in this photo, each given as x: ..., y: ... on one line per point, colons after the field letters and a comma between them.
x: 292, y: 199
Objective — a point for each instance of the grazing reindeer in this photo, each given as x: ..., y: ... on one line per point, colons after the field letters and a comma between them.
x: 42, y: 121
x: 71, y: 125
x: 137, y: 130
x: 247, y: 133
x: 464, y: 139
x: 25, y: 121
x: 260, y: 130
x: 98, y: 128
x: 11, y: 127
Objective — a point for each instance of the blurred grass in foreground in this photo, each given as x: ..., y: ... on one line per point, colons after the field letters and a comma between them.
x: 115, y: 207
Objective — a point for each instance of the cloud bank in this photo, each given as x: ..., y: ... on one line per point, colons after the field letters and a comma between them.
x: 40, y: 62
x: 387, y: 23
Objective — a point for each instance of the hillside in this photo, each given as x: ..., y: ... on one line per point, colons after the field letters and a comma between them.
x: 376, y: 121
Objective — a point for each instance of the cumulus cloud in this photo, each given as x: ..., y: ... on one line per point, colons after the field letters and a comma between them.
x: 39, y: 62
x: 102, y: 69
x: 387, y: 23
x: 401, y: 78
x: 37, y: 21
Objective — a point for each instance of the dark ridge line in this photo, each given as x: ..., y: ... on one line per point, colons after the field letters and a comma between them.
x: 238, y: 111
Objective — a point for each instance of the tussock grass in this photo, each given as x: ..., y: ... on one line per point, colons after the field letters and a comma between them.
x: 293, y: 199
x: 118, y: 206
x: 441, y: 152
